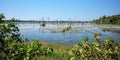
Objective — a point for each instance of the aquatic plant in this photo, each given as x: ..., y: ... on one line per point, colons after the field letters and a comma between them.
x: 42, y: 24
x: 66, y: 29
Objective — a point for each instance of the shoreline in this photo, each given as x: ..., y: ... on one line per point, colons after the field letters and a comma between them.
x: 110, y: 28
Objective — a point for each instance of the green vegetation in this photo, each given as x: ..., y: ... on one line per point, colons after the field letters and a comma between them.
x: 12, y: 47
x: 66, y: 29
x: 42, y: 24
x: 1, y: 17
x: 104, y: 50
x: 114, y: 19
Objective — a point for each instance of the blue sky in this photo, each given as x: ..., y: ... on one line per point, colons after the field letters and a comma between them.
x: 83, y: 10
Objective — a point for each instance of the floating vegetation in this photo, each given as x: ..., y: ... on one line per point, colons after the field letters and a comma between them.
x: 66, y: 29
x: 42, y: 24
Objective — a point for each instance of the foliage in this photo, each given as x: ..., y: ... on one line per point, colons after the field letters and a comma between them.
x: 26, y: 50
x: 8, y: 33
x: 114, y: 19
x: 66, y: 29
x: 106, y: 50
x: 1, y: 17
x: 12, y: 47
x: 13, y: 19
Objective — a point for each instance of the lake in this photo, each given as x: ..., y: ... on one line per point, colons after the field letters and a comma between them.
x: 52, y: 32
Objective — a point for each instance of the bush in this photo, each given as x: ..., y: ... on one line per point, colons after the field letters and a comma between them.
x: 106, y: 50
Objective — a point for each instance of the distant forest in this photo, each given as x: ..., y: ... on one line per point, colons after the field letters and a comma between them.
x: 114, y: 19
x: 45, y: 21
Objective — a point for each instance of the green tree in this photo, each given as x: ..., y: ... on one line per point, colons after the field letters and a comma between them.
x: 13, y: 19
x: 1, y: 17
x: 8, y: 32
x: 114, y: 19
x: 12, y: 47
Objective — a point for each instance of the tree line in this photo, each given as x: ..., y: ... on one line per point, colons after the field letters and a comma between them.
x: 114, y: 19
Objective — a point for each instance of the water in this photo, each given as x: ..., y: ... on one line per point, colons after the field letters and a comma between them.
x: 51, y: 33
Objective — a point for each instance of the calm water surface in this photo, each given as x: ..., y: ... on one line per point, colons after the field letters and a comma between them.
x: 51, y: 33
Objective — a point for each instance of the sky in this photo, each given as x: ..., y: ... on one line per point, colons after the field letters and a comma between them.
x: 82, y: 10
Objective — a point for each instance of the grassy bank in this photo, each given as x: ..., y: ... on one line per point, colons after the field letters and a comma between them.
x: 82, y: 50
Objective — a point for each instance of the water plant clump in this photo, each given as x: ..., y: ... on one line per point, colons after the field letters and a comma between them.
x: 42, y: 24
x: 66, y: 29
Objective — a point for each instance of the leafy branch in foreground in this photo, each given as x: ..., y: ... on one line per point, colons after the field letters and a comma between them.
x: 12, y: 46
x: 106, y: 50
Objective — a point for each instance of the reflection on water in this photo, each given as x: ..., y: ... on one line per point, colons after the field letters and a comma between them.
x: 52, y: 32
